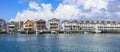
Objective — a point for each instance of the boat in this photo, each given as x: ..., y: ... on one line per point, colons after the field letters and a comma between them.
x: 96, y: 31
x: 54, y: 32
x: 85, y: 32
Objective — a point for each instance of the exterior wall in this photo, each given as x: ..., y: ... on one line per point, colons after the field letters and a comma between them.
x: 2, y: 25
x: 53, y: 24
x: 35, y: 26
x: 75, y: 26
x: 71, y: 26
x: 109, y: 27
x: 20, y: 25
x: 67, y: 26
x: 11, y: 27
x: 28, y: 25
x: 98, y: 25
x: 40, y: 25
x: 91, y: 26
x: 87, y: 27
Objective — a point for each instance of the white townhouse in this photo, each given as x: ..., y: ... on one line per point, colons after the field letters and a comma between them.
x: 109, y: 25
x: 99, y: 25
x: 19, y: 25
x: 66, y: 26
x: 71, y: 26
x: 53, y: 24
x: 11, y: 27
x: 87, y: 25
x: 75, y: 25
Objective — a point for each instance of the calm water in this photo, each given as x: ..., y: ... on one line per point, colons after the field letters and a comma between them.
x: 60, y: 42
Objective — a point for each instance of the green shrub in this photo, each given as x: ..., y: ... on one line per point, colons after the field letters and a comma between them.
x: 3, y: 32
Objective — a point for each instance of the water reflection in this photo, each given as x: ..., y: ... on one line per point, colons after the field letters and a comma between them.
x: 60, y: 42
x: 23, y: 38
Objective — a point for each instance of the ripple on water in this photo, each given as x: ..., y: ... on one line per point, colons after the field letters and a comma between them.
x: 60, y: 42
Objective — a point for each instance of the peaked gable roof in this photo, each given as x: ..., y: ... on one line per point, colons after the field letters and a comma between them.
x: 54, y: 19
x: 41, y: 20
x: 28, y: 22
x: 66, y: 21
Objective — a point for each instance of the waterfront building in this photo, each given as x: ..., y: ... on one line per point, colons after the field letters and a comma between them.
x: 66, y: 26
x: 11, y: 27
x: 98, y: 26
x: 20, y: 25
x: 2, y: 25
x: 40, y: 25
x: 109, y: 25
x: 90, y: 26
x: 28, y: 26
x: 75, y: 25
x: 87, y: 25
x: 53, y: 24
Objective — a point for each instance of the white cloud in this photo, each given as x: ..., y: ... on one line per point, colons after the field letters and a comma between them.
x: 66, y: 11
x: 35, y: 12
x: 96, y: 4
x: 11, y: 20
x: 45, y: 12
x: 34, y: 5
x: 69, y: 9
x: 87, y: 4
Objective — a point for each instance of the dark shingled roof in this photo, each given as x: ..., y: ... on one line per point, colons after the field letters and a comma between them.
x: 41, y: 20
x: 54, y: 19
x: 65, y: 21
x: 2, y: 20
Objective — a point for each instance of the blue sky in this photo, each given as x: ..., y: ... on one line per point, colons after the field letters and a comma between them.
x: 9, y: 8
x: 65, y: 9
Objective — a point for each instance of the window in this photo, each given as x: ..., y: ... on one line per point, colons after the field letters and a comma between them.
x: 0, y: 26
x: 26, y: 25
x: 30, y: 29
x: 30, y: 25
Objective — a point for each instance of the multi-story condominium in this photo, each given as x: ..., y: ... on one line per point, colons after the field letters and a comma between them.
x: 28, y: 26
x: 75, y: 25
x: 11, y: 27
x: 2, y: 25
x: 20, y: 25
x: 66, y: 26
x: 40, y: 25
x: 53, y: 24
x: 108, y: 25
x: 87, y: 25
x: 99, y: 25
x: 71, y: 26
x: 90, y: 26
